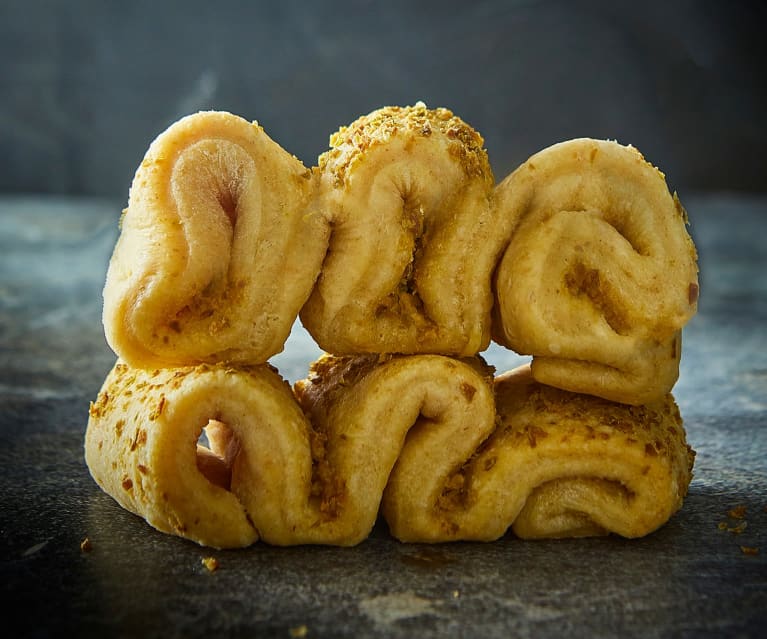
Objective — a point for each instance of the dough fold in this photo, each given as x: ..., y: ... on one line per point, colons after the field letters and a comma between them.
x: 600, y: 273
x: 143, y: 447
x: 403, y: 260
x: 558, y: 464
x: 407, y: 191
x: 432, y: 443
x: 219, y: 248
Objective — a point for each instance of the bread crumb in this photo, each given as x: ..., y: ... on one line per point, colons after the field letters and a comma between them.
x: 456, y: 594
x: 211, y: 563
x: 739, y: 512
x: 749, y: 550
x: 735, y: 530
x: 299, y: 631
x: 85, y: 545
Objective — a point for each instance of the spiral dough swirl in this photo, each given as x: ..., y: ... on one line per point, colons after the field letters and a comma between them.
x: 600, y: 274
x: 445, y: 451
x: 203, y: 270
x: 402, y: 258
x: 407, y: 192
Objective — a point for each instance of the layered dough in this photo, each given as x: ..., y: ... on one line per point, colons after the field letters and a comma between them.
x: 402, y: 258
x: 415, y: 238
x: 435, y: 444
x: 600, y: 273
x: 557, y: 464
x: 204, y: 269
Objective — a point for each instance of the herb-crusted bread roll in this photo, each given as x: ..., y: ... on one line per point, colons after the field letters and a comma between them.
x: 407, y: 191
x: 437, y: 446
x: 403, y: 259
x: 219, y: 248
x: 600, y: 273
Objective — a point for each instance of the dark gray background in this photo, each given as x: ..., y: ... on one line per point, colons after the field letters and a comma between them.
x: 86, y: 85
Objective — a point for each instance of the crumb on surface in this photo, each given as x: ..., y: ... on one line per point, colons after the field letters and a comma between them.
x: 739, y: 512
x: 749, y: 550
x: 211, y: 563
x: 299, y: 631
x: 85, y: 545
x: 735, y: 530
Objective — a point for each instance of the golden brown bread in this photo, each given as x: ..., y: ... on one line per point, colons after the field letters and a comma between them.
x: 419, y: 435
x: 205, y: 268
x: 394, y: 250
x: 600, y: 274
x: 141, y: 447
x: 407, y: 191
x: 271, y: 473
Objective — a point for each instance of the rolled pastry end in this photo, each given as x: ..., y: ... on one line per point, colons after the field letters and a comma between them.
x: 600, y: 274
x: 395, y: 425
x: 219, y: 247
x: 557, y: 464
x: 141, y: 447
x: 593, y: 466
x: 414, y: 240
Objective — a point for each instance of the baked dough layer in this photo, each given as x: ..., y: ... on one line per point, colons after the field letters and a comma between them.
x: 433, y: 443
x: 407, y: 191
x: 600, y: 273
x: 558, y: 464
x: 205, y: 268
x: 403, y: 260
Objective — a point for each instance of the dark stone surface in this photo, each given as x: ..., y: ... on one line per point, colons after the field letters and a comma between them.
x: 689, y: 579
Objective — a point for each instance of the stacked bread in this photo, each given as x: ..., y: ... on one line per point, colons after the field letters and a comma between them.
x: 403, y: 259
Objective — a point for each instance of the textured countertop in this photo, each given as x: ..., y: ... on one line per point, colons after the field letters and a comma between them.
x: 689, y: 579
